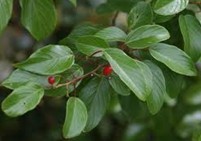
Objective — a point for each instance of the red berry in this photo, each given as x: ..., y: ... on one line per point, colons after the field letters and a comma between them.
x: 107, y: 70
x: 51, y: 80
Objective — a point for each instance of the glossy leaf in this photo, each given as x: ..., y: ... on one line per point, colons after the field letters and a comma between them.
x: 96, y: 95
x: 74, y: 72
x: 76, y: 117
x: 5, y: 12
x: 91, y: 44
x: 141, y: 14
x: 111, y: 34
x: 170, y: 7
x: 145, y: 36
x: 135, y: 74
x: 39, y: 17
x: 22, y: 99
x: 49, y: 60
x: 20, y: 77
x: 174, y: 58
x: 191, y: 31
x: 118, y: 86
x: 156, y: 98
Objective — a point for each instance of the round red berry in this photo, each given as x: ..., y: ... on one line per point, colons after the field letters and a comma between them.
x: 51, y: 80
x: 107, y: 70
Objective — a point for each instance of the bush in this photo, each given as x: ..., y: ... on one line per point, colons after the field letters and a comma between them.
x: 144, y: 74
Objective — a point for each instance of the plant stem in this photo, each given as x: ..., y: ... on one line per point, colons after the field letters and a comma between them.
x: 80, y: 78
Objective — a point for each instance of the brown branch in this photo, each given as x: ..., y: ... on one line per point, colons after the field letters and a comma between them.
x: 114, y: 18
x: 195, y: 2
x: 79, y: 78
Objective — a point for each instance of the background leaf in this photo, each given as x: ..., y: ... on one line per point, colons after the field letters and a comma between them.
x: 170, y: 7
x: 191, y: 31
x: 39, y: 17
x: 22, y: 99
x: 76, y: 117
x: 174, y: 58
x: 135, y: 74
x: 6, y: 7
x: 145, y: 36
x: 96, y: 95
x: 141, y: 14
x: 156, y: 98
x: 49, y: 60
x: 74, y: 2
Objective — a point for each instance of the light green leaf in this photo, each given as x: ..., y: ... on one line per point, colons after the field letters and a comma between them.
x: 118, y: 86
x: 91, y: 44
x: 74, y: 72
x: 174, y: 58
x: 135, y: 74
x: 170, y: 7
x: 20, y: 77
x: 76, y: 118
x: 39, y: 17
x: 96, y: 96
x: 191, y: 31
x: 156, y: 98
x: 5, y: 12
x: 111, y: 34
x: 74, y: 2
x: 140, y: 14
x: 22, y: 100
x: 145, y: 36
x: 49, y: 60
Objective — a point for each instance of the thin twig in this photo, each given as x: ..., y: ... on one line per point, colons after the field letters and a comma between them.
x: 114, y: 18
x: 79, y: 78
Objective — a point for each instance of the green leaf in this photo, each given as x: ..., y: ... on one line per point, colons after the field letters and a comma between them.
x: 156, y: 99
x: 111, y: 34
x: 140, y: 14
x: 20, y: 77
x: 193, y: 94
x: 170, y: 7
x: 5, y: 12
x: 91, y: 44
x: 135, y: 74
x: 191, y: 31
x: 174, y: 58
x: 145, y: 36
x: 96, y: 96
x: 74, y: 72
x: 118, y: 86
x: 133, y: 108
x: 74, y: 2
x: 174, y: 82
x: 76, y: 118
x: 22, y: 100
x: 49, y: 60
x: 39, y: 17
